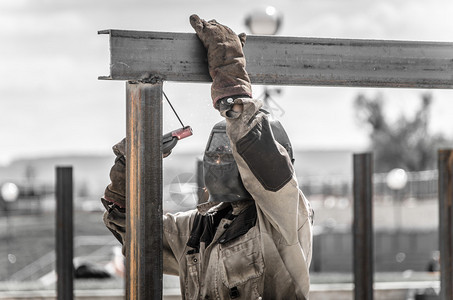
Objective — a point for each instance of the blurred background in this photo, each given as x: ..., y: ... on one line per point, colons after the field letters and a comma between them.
x: 56, y: 112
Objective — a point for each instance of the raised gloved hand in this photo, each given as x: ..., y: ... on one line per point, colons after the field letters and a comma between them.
x: 226, y: 59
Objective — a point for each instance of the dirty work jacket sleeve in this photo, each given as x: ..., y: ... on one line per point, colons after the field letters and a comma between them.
x: 266, y: 170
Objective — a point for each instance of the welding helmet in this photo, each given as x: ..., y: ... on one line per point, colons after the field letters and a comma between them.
x: 221, y: 175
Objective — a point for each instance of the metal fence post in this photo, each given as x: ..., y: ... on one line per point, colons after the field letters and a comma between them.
x: 363, y: 226
x: 144, y: 191
x: 64, y: 233
x: 446, y: 223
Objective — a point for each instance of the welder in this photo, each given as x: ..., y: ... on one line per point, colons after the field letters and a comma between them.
x: 253, y: 238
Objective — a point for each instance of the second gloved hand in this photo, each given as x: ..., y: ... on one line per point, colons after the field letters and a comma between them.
x: 115, y: 192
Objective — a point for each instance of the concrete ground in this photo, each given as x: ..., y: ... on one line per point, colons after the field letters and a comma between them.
x: 388, y: 286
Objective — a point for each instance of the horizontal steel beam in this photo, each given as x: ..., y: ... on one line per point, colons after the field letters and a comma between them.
x: 140, y: 55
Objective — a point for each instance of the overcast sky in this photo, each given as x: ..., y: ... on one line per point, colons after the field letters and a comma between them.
x: 50, y: 58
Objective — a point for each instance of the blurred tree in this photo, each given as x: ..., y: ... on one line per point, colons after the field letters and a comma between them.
x: 405, y: 143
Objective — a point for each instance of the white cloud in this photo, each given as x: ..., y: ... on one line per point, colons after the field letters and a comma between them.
x: 6, y: 5
x: 41, y: 23
x: 385, y: 19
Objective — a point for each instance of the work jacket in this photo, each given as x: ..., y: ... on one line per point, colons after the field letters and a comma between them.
x: 250, y: 249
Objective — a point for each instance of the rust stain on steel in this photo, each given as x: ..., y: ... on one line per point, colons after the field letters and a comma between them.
x: 144, y: 276
x: 132, y: 201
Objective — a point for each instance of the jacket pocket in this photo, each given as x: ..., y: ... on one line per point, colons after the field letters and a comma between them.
x: 192, y: 286
x: 241, y: 262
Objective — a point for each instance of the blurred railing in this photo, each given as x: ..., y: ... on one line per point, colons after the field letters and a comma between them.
x: 421, y: 185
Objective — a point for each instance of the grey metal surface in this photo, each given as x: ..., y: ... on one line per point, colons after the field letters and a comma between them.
x: 64, y: 233
x: 144, y: 191
x: 363, y: 226
x: 446, y: 223
x: 135, y: 55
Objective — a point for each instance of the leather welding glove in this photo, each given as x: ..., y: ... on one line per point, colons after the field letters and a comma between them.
x: 115, y: 192
x: 226, y: 59
x: 114, y: 199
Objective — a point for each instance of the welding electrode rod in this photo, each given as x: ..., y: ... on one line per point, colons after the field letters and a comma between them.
x: 173, y: 109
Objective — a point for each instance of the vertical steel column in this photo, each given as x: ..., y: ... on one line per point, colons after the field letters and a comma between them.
x: 144, y: 191
x: 363, y: 226
x: 446, y: 223
x: 64, y: 233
